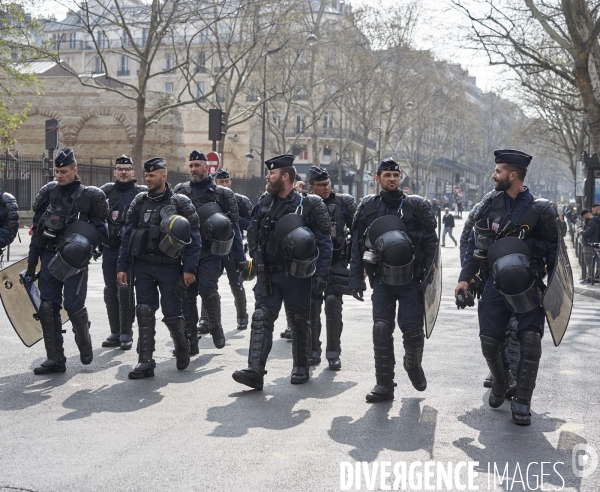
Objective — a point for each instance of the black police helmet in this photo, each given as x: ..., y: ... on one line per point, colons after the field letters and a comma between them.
x: 293, y: 235
x: 511, y: 256
x: 180, y: 228
x: 385, y: 224
x: 396, y: 248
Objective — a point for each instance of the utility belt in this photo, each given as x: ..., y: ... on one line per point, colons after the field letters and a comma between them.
x: 270, y: 269
x: 165, y: 260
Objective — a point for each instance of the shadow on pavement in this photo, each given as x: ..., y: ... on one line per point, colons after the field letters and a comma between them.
x: 130, y: 395
x: 272, y: 408
x: 20, y: 391
x: 501, y: 441
x: 412, y: 429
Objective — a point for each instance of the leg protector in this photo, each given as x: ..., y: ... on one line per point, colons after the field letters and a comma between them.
x: 146, y: 328
x: 261, y: 341
x: 81, y: 329
x: 492, y: 350
x: 383, y: 345
x: 182, y: 346
x: 531, y: 352
x: 190, y: 315
x: 55, y: 359
x: 414, y: 342
x: 112, y: 310
x: 300, y: 349
x: 239, y: 297
x: 203, y: 327
x: 316, y: 305
x: 288, y: 330
x: 125, y: 317
x: 334, y: 324
x: 211, y: 301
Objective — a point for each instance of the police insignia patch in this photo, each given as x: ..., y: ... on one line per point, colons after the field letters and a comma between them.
x: 147, y: 215
x: 114, y: 215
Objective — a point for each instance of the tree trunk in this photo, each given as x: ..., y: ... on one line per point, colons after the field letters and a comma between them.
x: 140, y: 134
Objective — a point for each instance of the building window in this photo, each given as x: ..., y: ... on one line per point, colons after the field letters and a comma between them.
x: 300, y: 123
x: 327, y: 121
x: 301, y: 152
x: 326, y: 154
x: 200, y: 89
x: 56, y: 38
x: 169, y: 61
x: 72, y: 41
x: 123, y: 67
x: 144, y: 37
x: 276, y: 118
x: 169, y: 87
x: 125, y: 40
x: 201, y: 62
x: 221, y: 94
x: 69, y: 62
x: 97, y: 65
x: 102, y: 41
x: 224, y: 31
x: 302, y: 95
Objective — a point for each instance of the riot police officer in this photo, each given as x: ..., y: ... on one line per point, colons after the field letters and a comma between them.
x: 341, y: 208
x: 223, y: 178
x: 513, y: 241
x: 394, y: 240
x: 219, y: 227
x: 9, y: 220
x: 160, y: 237
x: 289, y: 241
x: 68, y: 223
x: 119, y: 196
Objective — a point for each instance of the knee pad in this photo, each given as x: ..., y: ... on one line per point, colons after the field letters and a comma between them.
x: 260, y: 316
x: 382, y: 328
x: 333, y: 302
x: 531, y: 345
x: 145, y: 314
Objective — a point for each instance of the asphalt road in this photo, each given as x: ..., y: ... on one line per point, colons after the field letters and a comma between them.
x: 92, y: 429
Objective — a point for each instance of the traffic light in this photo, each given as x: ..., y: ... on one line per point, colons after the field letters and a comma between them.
x: 216, y: 124
x: 52, y: 134
x: 456, y: 178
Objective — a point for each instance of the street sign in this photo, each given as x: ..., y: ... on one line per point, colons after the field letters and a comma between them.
x: 448, y: 188
x: 457, y: 189
x: 214, y: 161
x: 406, y: 190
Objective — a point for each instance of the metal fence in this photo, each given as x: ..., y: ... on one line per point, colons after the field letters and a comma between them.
x: 23, y: 176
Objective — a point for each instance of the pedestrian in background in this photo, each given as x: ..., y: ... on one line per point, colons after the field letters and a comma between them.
x: 448, y: 221
x: 589, y: 235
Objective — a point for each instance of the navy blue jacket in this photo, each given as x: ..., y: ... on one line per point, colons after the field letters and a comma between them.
x: 514, y: 209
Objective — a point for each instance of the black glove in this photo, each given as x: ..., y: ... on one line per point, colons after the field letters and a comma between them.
x: 243, y: 269
x: 463, y: 301
x: 319, y: 285
x: 30, y: 273
x: 357, y: 294
x: 181, y: 290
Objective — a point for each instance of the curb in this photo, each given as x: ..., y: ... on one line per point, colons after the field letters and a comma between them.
x: 582, y: 291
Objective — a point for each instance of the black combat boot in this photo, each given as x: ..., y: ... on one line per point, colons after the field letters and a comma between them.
x: 531, y: 352
x: 492, y: 350
x: 125, y: 318
x: 211, y: 302
x: 261, y: 340
x: 414, y: 341
x: 55, y: 358
x: 334, y: 326
x: 315, y: 330
x: 300, y: 349
x: 383, y: 345
x: 146, y: 329
x: 190, y: 315
x: 182, y: 346
x: 287, y: 333
x: 81, y: 329
x: 239, y: 297
x: 203, y: 327
x: 112, y: 310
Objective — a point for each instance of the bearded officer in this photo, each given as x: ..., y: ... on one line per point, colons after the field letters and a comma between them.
x: 202, y: 190
x: 161, y: 236
x: 119, y: 196
x: 287, y: 233
x: 341, y: 208
x: 9, y: 220
x: 395, y: 271
x: 513, y: 242
x: 223, y: 178
x: 69, y: 222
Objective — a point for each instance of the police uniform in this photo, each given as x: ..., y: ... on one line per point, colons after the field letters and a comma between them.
x: 160, y: 237
x: 69, y: 222
x: 395, y: 276
x: 284, y: 238
x: 9, y: 220
x: 229, y: 265
x: 209, y: 264
x: 511, y: 243
x: 341, y: 208
x: 120, y: 314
